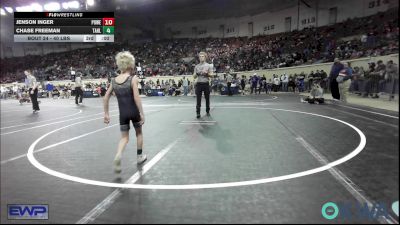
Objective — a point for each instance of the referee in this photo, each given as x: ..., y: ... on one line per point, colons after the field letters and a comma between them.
x: 78, y: 89
x: 203, y: 71
x: 33, y: 89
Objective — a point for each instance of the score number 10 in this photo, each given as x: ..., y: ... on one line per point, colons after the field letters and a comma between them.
x: 108, y: 21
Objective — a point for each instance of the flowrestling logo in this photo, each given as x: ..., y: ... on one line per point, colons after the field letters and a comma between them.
x: 351, y: 211
x: 28, y: 212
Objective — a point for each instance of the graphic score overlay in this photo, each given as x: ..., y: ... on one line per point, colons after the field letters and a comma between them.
x: 64, y: 26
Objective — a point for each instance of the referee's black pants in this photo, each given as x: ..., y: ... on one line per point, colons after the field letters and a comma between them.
x: 35, y: 104
x: 78, y: 94
x: 200, y: 88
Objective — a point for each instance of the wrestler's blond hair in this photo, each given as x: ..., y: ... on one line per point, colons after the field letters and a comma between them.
x: 203, y: 53
x: 125, y: 61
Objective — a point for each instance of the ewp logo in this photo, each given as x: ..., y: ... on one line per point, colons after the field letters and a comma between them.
x: 28, y: 212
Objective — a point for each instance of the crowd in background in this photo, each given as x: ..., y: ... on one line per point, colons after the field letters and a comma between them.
x: 49, y: 90
x: 375, y: 35
x: 379, y: 78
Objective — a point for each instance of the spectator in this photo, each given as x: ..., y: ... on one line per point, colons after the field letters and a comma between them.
x: 336, y: 68
x: 344, y: 84
x: 291, y: 84
x: 376, y: 76
x: 243, y: 84
x: 229, y: 83
x: 285, y: 82
x: 392, y: 73
x: 276, y: 83
x: 254, y: 81
x: 3, y: 92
